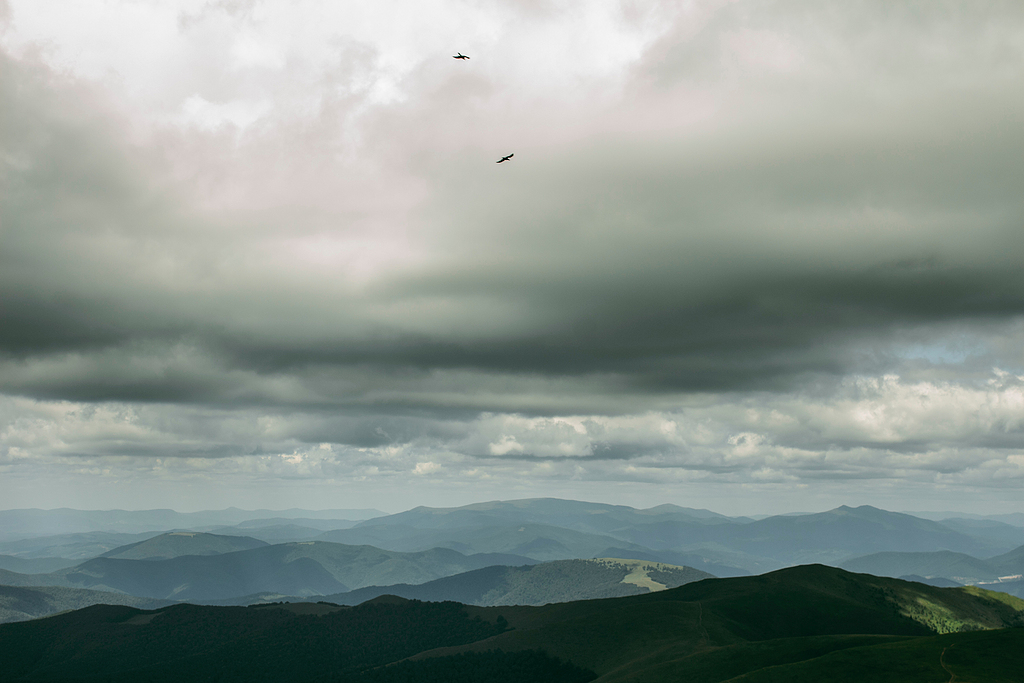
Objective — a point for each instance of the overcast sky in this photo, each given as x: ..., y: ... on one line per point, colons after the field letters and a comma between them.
x: 750, y: 256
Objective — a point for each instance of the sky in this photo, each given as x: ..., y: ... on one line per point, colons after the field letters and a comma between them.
x: 749, y: 256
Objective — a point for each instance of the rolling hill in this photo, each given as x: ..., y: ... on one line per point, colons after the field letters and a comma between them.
x: 22, y: 603
x: 544, y: 530
x: 591, y: 518
x: 1009, y: 563
x: 76, y: 546
x: 539, y: 584
x: 26, y: 523
x: 300, y: 569
x: 36, y: 565
x: 540, y: 542
x: 718, y: 629
x: 808, y: 623
x: 550, y: 529
x: 945, y: 564
x: 998, y: 573
x: 178, y: 543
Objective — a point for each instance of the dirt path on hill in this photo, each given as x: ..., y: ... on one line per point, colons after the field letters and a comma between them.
x: 942, y: 663
x: 700, y: 624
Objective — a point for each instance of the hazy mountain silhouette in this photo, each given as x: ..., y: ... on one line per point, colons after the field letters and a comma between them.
x: 22, y: 603
x: 39, y: 565
x: 541, y: 542
x: 301, y: 569
x: 178, y: 543
x: 945, y: 564
x: 27, y: 523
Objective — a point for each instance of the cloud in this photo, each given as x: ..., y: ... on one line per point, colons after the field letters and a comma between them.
x: 743, y: 241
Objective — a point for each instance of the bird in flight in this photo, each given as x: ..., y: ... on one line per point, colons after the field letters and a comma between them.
x: 504, y: 158
x: 460, y: 56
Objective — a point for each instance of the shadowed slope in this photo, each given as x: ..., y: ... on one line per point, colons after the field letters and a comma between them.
x: 817, y: 623
x: 20, y: 604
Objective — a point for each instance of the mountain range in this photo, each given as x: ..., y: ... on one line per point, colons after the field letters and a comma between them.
x: 425, y: 553
x: 546, y: 529
x: 298, y: 569
x: 1002, y: 572
x: 27, y: 523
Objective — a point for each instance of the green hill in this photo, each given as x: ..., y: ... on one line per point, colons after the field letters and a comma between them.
x: 717, y: 629
x: 1015, y: 587
x: 539, y: 584
x: 178, y: 543
x: 810, y: 623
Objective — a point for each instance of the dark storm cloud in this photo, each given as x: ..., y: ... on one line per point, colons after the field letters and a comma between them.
x: 751, y: 256
x: 693, y: 274
x: 758, y: 242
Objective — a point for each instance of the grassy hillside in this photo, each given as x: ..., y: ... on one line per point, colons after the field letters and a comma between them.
x: 986, y: 656
x: 1014, y: 588
x: 810, y: 623
x: 20, y: 604
x: 178, y: 543
x: 266, y: 643
x: 717, y: 562
x: 716, y: 629
x: 559, y: 581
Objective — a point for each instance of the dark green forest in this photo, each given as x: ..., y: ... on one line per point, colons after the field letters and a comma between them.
x: 809, y: 623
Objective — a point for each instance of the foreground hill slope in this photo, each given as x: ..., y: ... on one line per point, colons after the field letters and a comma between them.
x: 803, y: 624
x: 717, y: 629
x: 539, y: 584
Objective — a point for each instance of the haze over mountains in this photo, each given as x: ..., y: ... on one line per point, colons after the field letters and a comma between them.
x: 487, y: 553
x: 34, y: 522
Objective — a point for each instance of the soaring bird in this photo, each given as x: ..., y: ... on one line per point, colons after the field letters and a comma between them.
x: 504, y: 158
x: 460, y: 56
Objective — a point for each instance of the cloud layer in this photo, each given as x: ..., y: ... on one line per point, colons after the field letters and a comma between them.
x: 748, y: 243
